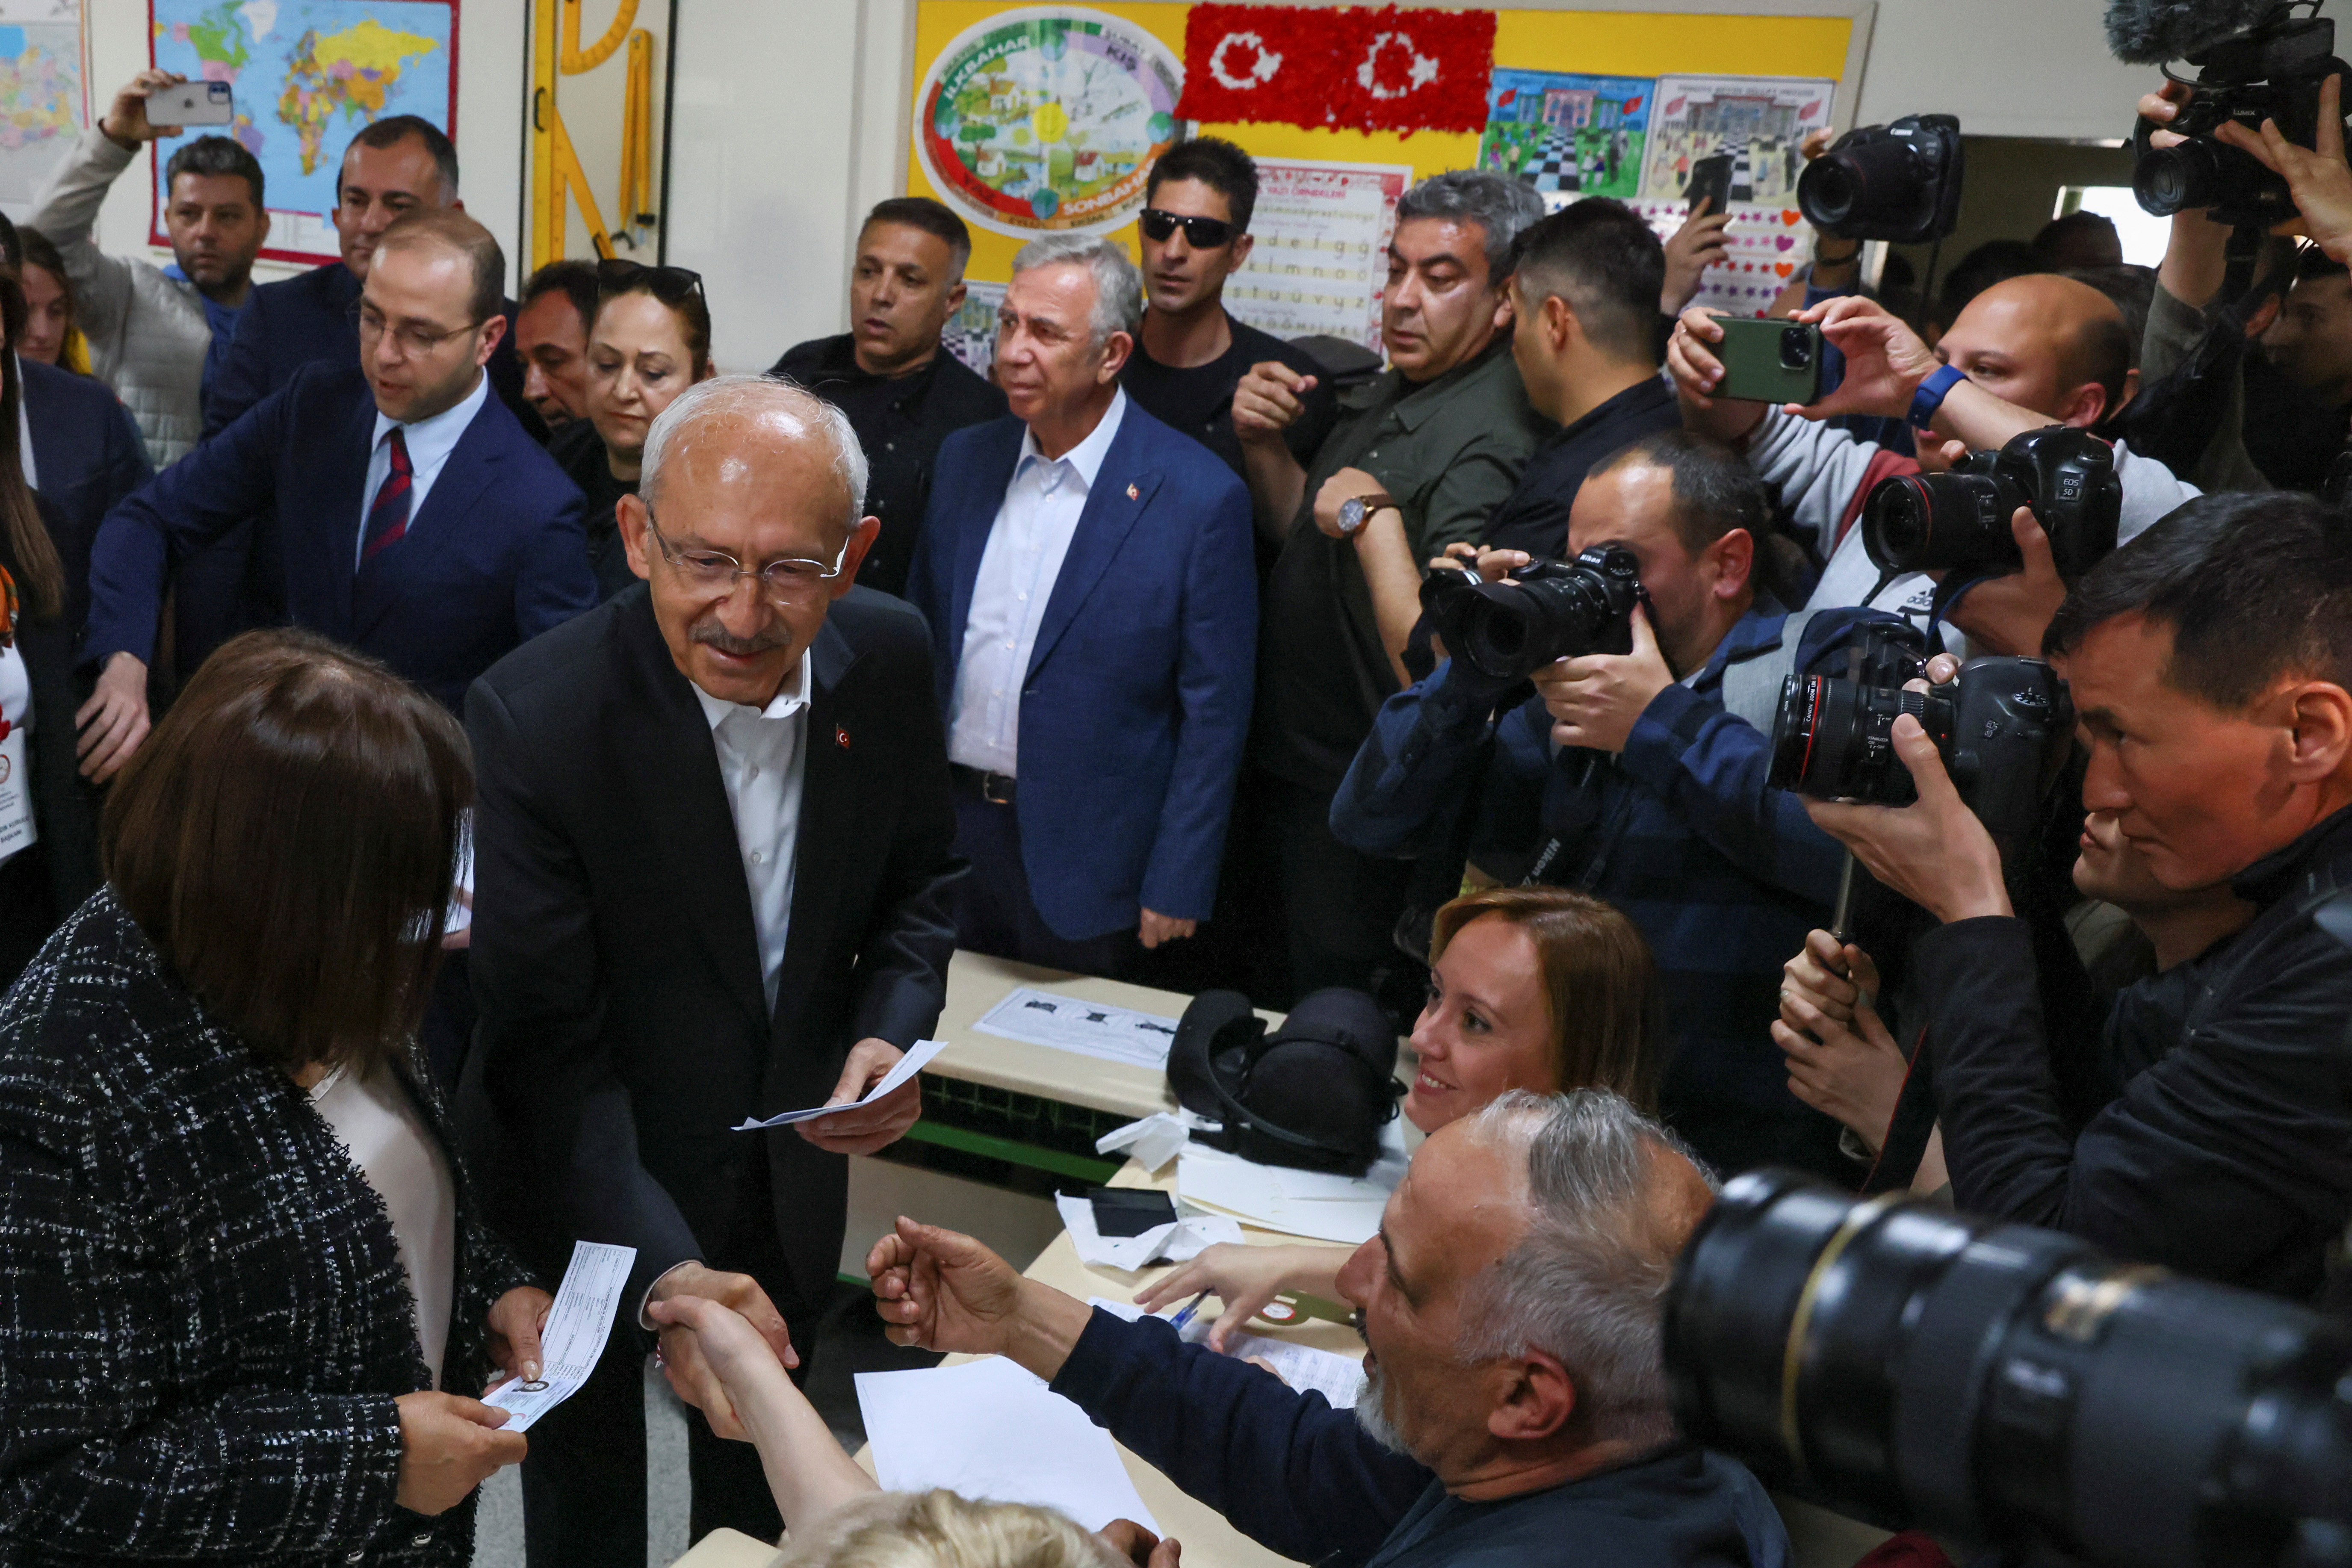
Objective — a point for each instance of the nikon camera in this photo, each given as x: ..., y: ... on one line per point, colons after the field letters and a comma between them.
x: 1555, y: 609
x: 1959, y: 521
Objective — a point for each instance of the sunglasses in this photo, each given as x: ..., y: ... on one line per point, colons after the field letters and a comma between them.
x: 1199, y: 232
x: 619, y: 275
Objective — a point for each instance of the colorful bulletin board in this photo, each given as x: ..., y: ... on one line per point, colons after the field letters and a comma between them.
x: 1027, y: 131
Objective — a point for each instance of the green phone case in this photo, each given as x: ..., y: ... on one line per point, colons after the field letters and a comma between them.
x: 1770, y: 362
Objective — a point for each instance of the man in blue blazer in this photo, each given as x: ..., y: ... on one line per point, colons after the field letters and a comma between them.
x: 85, y: 458
x: 1088, y: 577
x: 421, y: 524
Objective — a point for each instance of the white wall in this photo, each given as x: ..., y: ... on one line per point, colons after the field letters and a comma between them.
x: 788, y: 122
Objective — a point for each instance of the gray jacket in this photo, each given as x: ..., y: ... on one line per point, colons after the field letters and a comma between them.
x: 147, y: 333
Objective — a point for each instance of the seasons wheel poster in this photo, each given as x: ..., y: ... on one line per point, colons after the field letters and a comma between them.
x: 1047, y: 118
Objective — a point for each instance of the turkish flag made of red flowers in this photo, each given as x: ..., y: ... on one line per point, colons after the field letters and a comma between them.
x: 1357, y: 68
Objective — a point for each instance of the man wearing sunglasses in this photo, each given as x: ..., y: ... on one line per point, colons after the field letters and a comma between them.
x: 713, y: 839
x: 1192, y: 353
x: 421, y: 524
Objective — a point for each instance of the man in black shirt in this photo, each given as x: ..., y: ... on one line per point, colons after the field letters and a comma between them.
x: 1193, y: 353
x: 903, y: 393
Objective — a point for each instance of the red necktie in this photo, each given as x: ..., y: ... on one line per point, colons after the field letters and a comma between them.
x: 387, y: 519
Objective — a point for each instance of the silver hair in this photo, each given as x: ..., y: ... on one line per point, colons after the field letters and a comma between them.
x: 1500, y: 206
x: 1587, y: 1284
x: 1118, y: 286
x: 790, y: 410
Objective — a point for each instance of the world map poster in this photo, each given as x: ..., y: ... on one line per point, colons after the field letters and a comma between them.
x: 309, y: 75
x: 41, y: 104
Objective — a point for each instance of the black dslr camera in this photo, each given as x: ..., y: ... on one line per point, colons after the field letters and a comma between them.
x: 1959, y: 521
x: 1508, y: 631
x: 2271, y: 72
x: 2003, y: 729
x: 1898, y: 181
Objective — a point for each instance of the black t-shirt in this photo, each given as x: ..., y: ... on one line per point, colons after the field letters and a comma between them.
x: 580, y: 453
x: 1199, y: 400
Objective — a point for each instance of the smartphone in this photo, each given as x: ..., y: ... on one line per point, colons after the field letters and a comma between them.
x: 192, y: 103
x: 1770, y: 362
x: 1710, y: 182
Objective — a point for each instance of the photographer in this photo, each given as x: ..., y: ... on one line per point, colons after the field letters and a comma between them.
x: 2024, y: 354
x: 2209, y: 661
x: 1625, y: 777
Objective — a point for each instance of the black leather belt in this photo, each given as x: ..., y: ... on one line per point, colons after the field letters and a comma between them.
x: 997, y: 789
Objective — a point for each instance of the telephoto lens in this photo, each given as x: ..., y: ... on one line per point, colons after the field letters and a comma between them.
x: 1508, y: 631
x: 1933, y: 522
x: 1834, y: 740
x: 2009, y: 1387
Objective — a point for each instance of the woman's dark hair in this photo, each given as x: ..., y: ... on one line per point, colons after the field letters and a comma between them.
x: 40, y: 574
x: 1600, y: 986
x: 674, y: 287
x: 288, y: 837
x: 41, y: 253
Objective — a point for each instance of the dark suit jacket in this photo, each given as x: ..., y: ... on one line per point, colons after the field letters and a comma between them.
x: 624, y: 1026
x: 204, y: 1322
x: 493, y: 557
x: 65, y: 809
x: 1138, y: 698
x: 88, y: 457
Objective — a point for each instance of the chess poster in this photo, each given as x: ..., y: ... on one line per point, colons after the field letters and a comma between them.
x: 1567, y: 136
x: 1321, y: 257
x: 1759, y: 120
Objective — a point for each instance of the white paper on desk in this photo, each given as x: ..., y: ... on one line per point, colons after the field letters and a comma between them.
x: 1312, y: 1204
x: 1089, y: 1028
x: 1337, y: 1378
x: 990, y: 1429
x: 577, y: 1327
x: 1150, y: 1142
x: 913, y: 1062
x: 1179, y: 1241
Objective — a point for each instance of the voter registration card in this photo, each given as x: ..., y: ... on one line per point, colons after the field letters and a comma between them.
x: 577, y: 1328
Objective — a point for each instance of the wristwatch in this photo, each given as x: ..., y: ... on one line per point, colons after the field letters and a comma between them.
x: 1356, y: 510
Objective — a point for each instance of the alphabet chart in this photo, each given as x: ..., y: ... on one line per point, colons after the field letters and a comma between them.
x: 1321, y: 257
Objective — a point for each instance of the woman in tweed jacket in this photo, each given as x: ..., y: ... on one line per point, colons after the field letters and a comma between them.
x: 209, y: 1340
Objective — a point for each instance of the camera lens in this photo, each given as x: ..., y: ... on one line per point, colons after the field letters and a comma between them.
x: 1834, y: 740
x: 1510, y: 630
x: 1828, y: 190
x: 2168, y: 180
x: 1934, y: 522
x: 1796, y: 347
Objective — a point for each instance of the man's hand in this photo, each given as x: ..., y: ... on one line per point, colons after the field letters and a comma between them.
x: 1698, y: 245
x: 448, y: 1445
x: 731, y: 1350
x: 688, y: 1371
x: 1933, y: 852
x: 125, y: 121
x: 2008, y: 614
x: 2316, y: 177
x: 944, y: 1291
x: 1885, y: 360
x: 1594, y: 700
x: 114, y: 721
x: 1344, y: 485
x: 869, y: 1127
x: 516, y: 1321
x: 1269, y: 400
x: 1831, y: 979
x: 1158, y: 928
x: 1138, y: 1545
x: 1690, y: 360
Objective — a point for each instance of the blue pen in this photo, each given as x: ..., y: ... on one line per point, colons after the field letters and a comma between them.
x: 1184, y: 1317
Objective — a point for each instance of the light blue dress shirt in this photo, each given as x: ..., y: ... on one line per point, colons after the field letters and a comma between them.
x: 430, y: 442
x: 1032, y: 533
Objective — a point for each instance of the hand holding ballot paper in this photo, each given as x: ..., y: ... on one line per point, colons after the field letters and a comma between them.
x: 876, y: 1101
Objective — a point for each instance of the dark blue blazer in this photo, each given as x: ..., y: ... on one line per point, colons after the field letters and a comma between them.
x: 88, y: 457
x: 495, y: 556
x: 1137, y: 698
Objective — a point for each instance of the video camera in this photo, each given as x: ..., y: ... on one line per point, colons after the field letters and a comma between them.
x: 2272, y: 70
x: 1959, y: 521
x: 2003, y: 729
x: 2008, y: 1387
x: 1554, y: 610
x: 1899, y: 182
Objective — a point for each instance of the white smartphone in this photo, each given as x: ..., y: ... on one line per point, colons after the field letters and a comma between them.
x: 192, y: 103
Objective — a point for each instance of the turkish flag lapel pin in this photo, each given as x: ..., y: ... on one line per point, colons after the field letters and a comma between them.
x: 841, y: 737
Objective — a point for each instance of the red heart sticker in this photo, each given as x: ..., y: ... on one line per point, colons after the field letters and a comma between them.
x: 1784, y: 267
x: 1790, y: 217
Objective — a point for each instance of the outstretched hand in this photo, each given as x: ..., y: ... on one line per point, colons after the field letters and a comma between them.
x: 2316, y: 177
x: 1885, y: 360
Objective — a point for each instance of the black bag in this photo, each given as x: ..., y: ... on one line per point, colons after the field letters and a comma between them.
x: 1314, y: 1094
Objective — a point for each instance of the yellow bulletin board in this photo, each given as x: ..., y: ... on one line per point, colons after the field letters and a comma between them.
x: 1611, y: 43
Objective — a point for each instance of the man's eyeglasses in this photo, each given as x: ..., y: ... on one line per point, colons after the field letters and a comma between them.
x: 619, y: 275
x: 1199, y: 232
x: 715, y: 573
x: 369, y: 322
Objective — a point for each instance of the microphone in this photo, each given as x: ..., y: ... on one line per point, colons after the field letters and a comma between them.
x: 2151, y: 32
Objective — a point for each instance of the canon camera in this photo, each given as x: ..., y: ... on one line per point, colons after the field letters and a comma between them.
x: 1553, y: 610
x: 1959, y: 521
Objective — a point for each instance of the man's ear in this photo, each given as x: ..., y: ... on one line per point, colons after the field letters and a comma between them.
x: 2320, y: 713
x: 955, y: 293
x: 1505, y: 308
x: 1534, y: 1400
x: 2265, y: 316
x: 1243, y: 244
x: 1116, y: 348
x: 492, y: 331
x: 1731, y: 561
x: 861, y: 539
x: 629, y: 513
x: 2083, y: 406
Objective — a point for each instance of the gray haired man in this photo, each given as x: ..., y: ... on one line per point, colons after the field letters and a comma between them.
x: 1514, y: 1408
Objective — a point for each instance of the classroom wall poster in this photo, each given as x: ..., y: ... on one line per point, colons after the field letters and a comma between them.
x: 41, y: 104
x: 1321, y: 258
x: 1567, y: 136
x: 1761, y: 122
x: 971, y: 332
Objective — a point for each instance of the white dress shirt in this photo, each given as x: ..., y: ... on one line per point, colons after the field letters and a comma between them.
x: 430, y: 442
x: 762, y: 755
x: 378, y: 1126
x: 1026, y: 543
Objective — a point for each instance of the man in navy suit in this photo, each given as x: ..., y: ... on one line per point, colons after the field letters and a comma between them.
x: 421, y: 524
x: 85, y: 456
x: 1088, y: 577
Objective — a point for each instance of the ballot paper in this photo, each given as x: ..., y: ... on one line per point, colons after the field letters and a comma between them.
x: 990, y: 1429
x: 577, y: 1328
x: 1337, y: 1378
x: 1089, y: 1028
x: 1312, y: 1204
x: 1179, y: 1241
x: 913, y: 1062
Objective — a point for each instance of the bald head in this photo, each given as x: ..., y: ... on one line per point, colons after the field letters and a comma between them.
x: 2051, y: 344
x: 729, y: 424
